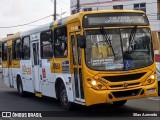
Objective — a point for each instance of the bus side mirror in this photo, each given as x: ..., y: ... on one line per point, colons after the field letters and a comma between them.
x: 81, y: 41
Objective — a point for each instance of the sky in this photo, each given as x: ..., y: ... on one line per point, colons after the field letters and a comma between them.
x: 17, y: 12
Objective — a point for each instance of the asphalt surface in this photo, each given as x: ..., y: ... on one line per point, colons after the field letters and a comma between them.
x: 11, y: 101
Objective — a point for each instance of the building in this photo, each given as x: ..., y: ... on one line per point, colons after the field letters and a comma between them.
x: 151, y: 7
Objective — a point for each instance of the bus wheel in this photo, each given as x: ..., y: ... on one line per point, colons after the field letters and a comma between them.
x: 119, y: 103
x: 64, y: 98
x: 20, y: 87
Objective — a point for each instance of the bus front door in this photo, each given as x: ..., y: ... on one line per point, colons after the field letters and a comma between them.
x: 35, y: 66
x: 10, y: 67
x: 77, y: 68
x: 7, y: 73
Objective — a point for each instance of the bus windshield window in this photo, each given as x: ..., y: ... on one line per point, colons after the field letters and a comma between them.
x: 99, y: 54
x: 125, y: 53
x: 137, y: 50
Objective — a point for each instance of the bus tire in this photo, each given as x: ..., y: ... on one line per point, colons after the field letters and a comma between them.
x: 120, y: 103
x: 20, y: 87
x: 64, y: 98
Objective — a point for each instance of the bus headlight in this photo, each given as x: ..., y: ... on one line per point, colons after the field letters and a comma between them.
x: 151, y: 79
x: 94, y: 82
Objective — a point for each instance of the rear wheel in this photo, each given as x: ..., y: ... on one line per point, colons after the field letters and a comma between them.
x: 20, y: 87
x: 64, y: 98
x: 119, y: 103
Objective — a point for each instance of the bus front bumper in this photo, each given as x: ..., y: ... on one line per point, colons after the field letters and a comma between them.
x: 93, y: 96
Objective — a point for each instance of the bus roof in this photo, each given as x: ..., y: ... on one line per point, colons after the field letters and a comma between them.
x: 63, y: 21
x: 11, y: 37
x: 36, y: 30
x: 28, y: 32
x: 79, y: 16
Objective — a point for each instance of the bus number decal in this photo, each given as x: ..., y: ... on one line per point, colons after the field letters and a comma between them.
x: 56, y: 66
x: 73, y: 28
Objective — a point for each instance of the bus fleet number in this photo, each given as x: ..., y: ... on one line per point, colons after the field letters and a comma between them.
x: 56, y: 66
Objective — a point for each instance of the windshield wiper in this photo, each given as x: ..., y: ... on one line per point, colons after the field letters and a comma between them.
x: 132, y: 36
x: 106, y: 36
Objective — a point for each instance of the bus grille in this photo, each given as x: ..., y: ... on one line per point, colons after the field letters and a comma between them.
x: 122, y: 85
x: 127, y: 93
x: 124, y: 77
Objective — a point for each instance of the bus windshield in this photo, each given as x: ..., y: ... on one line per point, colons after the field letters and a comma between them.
x: 118, y: 49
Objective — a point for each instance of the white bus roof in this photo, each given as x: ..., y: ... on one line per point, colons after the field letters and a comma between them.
x: 36, y: 30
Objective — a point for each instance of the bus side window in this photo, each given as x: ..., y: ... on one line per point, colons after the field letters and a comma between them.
x: 26, y: 48
x: 4, y: 51
x: 60, y: 42
x: 17, y: 49
x: 46, y: 45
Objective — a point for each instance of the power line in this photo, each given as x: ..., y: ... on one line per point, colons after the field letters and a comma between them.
x: 34, y: 25
x: 27, y: 23
x: 150, y: 14
x: 42, y: 19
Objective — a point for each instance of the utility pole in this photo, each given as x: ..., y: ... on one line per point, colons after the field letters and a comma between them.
x: 78, y: 6
x: 55, y: 13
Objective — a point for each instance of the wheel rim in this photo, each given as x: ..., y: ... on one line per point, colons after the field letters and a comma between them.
x: 64, y: 98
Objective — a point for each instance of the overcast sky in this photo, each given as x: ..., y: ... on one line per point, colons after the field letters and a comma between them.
x: 15, y: 12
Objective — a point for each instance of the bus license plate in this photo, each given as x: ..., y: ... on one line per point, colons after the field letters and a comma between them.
x: 151, y: 91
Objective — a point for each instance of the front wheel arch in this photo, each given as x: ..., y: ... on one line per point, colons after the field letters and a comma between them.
x: 62, y: 91
x: 58, y: 82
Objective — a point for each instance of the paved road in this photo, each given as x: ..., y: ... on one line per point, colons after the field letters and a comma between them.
x: 11, y: 101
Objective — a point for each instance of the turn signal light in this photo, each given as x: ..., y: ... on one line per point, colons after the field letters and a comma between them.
x: 149, y: 81
x: 100, y: 86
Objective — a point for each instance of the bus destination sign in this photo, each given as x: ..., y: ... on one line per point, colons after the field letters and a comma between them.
x: 124, y: 19
x: 115, y: 20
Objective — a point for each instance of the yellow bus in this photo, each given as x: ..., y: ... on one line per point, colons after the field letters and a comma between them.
x: 87, y: 58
